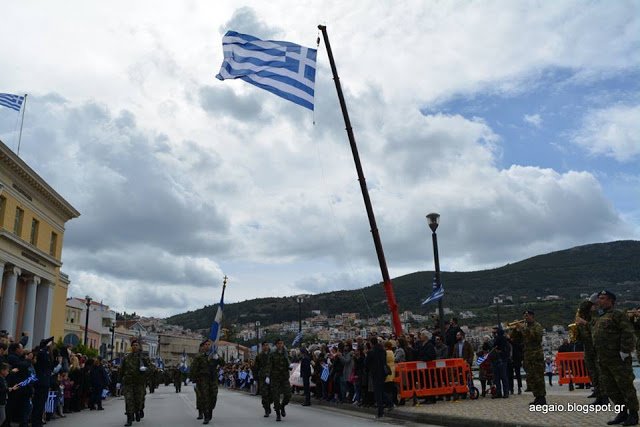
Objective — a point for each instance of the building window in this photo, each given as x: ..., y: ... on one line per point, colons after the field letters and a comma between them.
x: 17, y: 224
x: 35, y: 225
x: 54, y: 244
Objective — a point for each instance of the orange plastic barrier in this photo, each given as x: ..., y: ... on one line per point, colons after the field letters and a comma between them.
x: 571, y: 368
x: 435, y: 378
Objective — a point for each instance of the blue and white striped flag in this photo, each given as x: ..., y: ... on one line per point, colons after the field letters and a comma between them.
x: 11, y: 101
x: 297, y: 338
x: 325, y: 373
x: 31, y: 379
x: 283, y: 68
x: 216, y: 328
x: 105, y: 393
x: 437, y: 293
x: 183, y: 366
x: 51, y: 403
x: 481, y: 359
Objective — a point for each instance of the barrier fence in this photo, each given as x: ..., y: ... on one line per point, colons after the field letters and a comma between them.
x: 435, y: 378
x: 571, y: 368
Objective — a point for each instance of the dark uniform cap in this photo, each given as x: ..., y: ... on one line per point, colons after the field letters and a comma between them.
x: 529, y: 312
x: 204, y: 342
x: 609, y: 294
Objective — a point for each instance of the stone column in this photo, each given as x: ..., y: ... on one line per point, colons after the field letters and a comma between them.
x: 9, y: 299
x: 29, y: 311
x: 44, y: 305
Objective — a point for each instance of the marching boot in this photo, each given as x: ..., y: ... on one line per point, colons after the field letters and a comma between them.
x: 278, y: 415
x: 632, y: 419
x: 129, y: 419
x: 137, y: 415
x: 141, y: 414
x: 282, y: 412
x: 619, y: 419
x: 207, y: 416
x: 199, y: 415
x: 266, y: 412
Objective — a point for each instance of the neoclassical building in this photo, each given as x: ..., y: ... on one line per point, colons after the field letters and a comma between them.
x: 32, y: 224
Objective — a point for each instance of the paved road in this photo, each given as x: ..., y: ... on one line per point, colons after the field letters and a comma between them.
x: 167, y: 408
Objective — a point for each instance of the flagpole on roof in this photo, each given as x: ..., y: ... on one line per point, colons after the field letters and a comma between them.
x: 24, y: 107
x: 388, y: 286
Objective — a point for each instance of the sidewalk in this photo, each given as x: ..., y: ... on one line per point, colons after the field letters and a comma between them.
x: 564, y: 408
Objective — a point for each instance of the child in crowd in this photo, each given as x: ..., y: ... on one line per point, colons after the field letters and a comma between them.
x: 66, y: 388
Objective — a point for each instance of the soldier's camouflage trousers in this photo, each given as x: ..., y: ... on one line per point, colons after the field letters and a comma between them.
x: 207, y: 395
x: 265, y: 392
x: 133, y: 397
x: 280, y: 388
x: 197, y: 398
x: 617, y: 378
x: 534, y: 365
x: 591, y: 361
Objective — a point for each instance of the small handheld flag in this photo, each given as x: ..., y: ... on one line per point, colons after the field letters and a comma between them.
x: 297, y: 338
x: 216, y: 328
x: 325, y: 373
x: 282, y: 68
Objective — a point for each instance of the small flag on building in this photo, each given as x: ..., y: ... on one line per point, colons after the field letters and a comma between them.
x: 437, y: 293
x: 282, y: 68
x: 11, y: 101
x: 297, y: 339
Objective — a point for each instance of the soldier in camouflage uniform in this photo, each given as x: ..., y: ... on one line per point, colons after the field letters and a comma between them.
x: 259, y: 372
x: 132, y: 376
x: 204, y: 369
x: 531, y: 336
x: 585, y: 322
x: 193, y: 380
x: 614, y: 339
x: 176, y: 375
x: 277, y: 377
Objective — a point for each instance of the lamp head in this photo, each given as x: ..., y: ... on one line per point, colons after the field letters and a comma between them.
x: 433, y: 219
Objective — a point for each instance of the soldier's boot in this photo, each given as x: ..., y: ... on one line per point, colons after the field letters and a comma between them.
x: 129, y: 419
x: 199, y: 415
x: 619, y: 419
x: 632, y: 419
x: 278, y: 415
x: 282, y: 412
x: 141, y: 413
x: 266, y: 412
x: 137, y: 414
x: 207, y: 416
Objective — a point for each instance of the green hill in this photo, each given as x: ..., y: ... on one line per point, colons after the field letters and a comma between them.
x: 567, y: 274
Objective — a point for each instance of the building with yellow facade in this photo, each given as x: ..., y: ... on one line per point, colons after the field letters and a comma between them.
x: 32, y: 223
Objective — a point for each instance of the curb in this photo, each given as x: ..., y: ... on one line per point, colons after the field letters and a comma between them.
x: 422, y: 418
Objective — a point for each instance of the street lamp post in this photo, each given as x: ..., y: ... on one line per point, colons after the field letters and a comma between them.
x: 433, y: 219
x: 86, y: 324
x: 257, y: 336
x: 300, y: 299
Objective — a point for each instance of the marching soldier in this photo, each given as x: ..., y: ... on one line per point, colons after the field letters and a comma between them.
x: 585, y: 321
x: 204, y: 369
x: 531, y: 336
x: 132, y: 376
x: 277, y: 376
x: 614, y: 339
x: 193, y: 379
x: 260, y: 372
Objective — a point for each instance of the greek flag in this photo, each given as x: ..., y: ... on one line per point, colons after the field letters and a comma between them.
x: 216, y: 328
x: 325, y: 373
x: 283, y: 68
x: 437, y: 293
x: 481, y: 359
x: 52, y: 402
x: 183, y: 366
x: 11, y: 101
x: 31, y: 379
x: 297, y: 338
x: 105, y: 393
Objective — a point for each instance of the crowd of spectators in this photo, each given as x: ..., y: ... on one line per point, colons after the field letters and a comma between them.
x: 40, y: 383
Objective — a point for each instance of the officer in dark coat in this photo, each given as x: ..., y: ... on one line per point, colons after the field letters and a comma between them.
x: 375, y: 362
x: 305, y: 373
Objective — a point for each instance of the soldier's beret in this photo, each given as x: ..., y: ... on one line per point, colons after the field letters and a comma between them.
x: 594, y: 298
x: 134, y: 340
x: 608, y: 294
x: 265, y: 342
x: 204, y: 342
x: 528, y: 312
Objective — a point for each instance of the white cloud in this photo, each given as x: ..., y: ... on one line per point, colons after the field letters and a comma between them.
x: 612, y: 132
x: 533, y: 119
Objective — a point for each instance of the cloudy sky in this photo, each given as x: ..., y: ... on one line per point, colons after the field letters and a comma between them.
x: 518, y: 122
